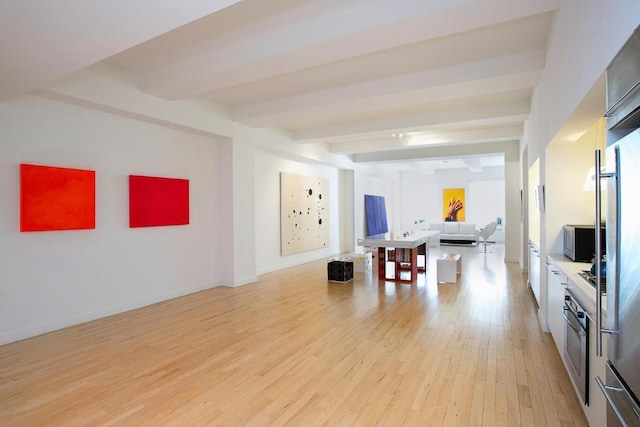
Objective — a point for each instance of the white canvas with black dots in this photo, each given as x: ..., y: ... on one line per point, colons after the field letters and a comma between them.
x: 304, y: 213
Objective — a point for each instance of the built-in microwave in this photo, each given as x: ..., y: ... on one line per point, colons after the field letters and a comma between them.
x: 579, y: 242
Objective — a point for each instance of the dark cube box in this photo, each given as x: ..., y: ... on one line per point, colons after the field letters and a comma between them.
x: 340, y: 270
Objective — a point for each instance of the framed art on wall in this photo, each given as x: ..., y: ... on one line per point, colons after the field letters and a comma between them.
x: 453, y: 204
x: 376, y: 214
x: 54, y: 198
x: 304, y: 213
x: 156, y: 201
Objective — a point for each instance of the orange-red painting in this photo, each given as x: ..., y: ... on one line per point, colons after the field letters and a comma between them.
x: 53, y: 198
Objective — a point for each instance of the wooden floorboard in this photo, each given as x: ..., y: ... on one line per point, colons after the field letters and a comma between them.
x: 294, y: 349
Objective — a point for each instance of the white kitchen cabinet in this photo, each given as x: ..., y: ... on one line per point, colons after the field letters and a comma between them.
x: 597, y: 410
x: 556, y: 285
x: 534, y: 270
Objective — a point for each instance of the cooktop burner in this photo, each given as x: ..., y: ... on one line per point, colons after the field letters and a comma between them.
x: 591, y: 279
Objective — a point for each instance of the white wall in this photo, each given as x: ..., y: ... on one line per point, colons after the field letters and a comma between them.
x: 242, y: 200
x: 486, y: 202
x: 267, y: 167
x: 512, y: 204
x: 49, y: 280
x: 422, y: 200
x: 567, y: 202
x: 347, y: 220
x: 422, y: 195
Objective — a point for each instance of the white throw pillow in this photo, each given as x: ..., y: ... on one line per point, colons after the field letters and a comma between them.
x: 467, y: 228
x: 451, y: 228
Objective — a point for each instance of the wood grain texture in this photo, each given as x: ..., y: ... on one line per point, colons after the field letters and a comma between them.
x: 294, y: 349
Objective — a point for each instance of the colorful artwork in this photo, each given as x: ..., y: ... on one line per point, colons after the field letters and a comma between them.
x: 53, y: 198
x: 155, y: 201
x: 304, y: 213
x: 376, y: 214
x: 453, y: 204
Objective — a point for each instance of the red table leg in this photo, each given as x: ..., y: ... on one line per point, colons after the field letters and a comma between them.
x: 382, y: 263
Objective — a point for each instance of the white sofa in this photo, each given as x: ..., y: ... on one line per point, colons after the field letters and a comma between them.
x: 456, y: 232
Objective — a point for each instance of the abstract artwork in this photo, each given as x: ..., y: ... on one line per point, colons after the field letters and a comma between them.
x: 453, y: 204
x: 304, y: 213
x: 155, y: 201
x: 376, y: 214
x: 53, y: 198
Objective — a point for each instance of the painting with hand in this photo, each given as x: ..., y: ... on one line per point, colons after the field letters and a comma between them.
x: 453, y: 204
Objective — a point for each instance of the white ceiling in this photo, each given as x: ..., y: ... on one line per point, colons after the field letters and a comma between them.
x: 361, y: 76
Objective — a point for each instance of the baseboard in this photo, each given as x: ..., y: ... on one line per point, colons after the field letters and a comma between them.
x: 245, y: 281
x: 44, y: 328
x: 283, y: 265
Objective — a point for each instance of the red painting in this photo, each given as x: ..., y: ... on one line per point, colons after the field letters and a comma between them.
x: 157, y: 201
x: 54, y: 198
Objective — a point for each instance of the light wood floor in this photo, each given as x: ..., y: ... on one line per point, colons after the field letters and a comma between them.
x: 295, y: 349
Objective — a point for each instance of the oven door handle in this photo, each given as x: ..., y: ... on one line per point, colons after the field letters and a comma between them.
x: 564, y: 314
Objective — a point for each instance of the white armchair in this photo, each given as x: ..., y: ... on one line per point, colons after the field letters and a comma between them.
x: 486, y: 232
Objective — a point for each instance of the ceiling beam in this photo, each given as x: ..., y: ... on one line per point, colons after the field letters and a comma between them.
x: 508, y: 132
x: 321, y: 39
x: 435, y: 152
x: 503, y: 107
x: 45, y: 40
x: 501, y: 74
x: 473, y: 164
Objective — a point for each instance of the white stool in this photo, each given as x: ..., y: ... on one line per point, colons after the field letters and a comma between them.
x: 362, y: 262
x: 448, y: 267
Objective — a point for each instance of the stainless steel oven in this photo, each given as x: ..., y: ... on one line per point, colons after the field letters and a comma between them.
x: 576, y: 344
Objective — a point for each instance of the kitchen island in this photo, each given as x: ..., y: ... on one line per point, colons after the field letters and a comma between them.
x: 398, y: 256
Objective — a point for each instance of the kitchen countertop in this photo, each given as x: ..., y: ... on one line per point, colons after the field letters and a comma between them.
x: 582, y: 289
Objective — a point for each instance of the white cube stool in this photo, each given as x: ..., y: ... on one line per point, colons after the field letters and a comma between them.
x: 362, y: 262
x: 448, y: 267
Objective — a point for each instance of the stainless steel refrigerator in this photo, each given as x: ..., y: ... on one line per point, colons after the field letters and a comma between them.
x: 621, y: 178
